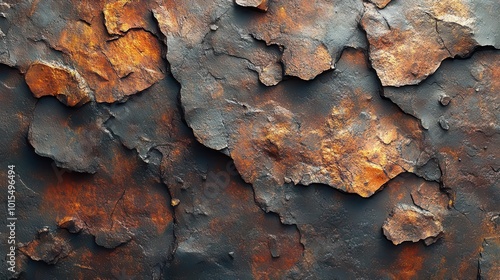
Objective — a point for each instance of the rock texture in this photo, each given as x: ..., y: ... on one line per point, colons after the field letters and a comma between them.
x: 409, y: 40
x: 67, y: 85
x: 69, y: 136
x: 259, y: 4
x: 488, y: 263
x: 264, y: 129
x: 105, y: 66
x: 409, y: 223
x: 46, y: 247
x: 466, y: 148
x: 250, y: 139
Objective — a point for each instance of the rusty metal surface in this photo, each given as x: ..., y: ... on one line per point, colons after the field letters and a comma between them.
x: 232, y: 139
x: 451, y: 28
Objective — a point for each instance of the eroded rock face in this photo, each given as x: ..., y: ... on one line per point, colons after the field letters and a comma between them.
x: 380, y: 3
x: 408, y: 40
x: 219, y: 221
x: 46, y: 79
x: 429, y: 197
x: 158, y: 124
x: 264, y: 129
x: 309, y: 47
x: 86, y: 59
x: 72, y: 224
x: 122, y: 15
x: 410, y: 223
x: 217, y: 218
x: 313, y: 34
x: 255, y: 81
x: 266, y: 137
x: 466, y: 151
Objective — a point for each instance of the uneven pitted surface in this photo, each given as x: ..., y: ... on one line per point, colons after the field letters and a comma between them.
x: 409, y: 223
x: 409, y: 39
x: 251, y: 139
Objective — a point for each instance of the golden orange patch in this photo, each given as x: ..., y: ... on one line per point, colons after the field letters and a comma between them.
x: 113, y: 68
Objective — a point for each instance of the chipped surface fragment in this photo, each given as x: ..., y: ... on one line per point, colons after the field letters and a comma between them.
x: 117, y: 68
x: 53, y: 80
x: 122, y: 15
x: 259, y: 4
x: 270, y: 137
x: 398, y: 33
x: 464, y: 133
x: 72, y: 224
x: 409, y: 223
x: 47, y: 247
x: 428, y: 196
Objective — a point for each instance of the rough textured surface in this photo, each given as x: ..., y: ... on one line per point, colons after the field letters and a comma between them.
x: 409, y: 223
x: 46, y: 247
x: 408, y: 40
x: 380, y: 3
x: 259, y: 4
x: 489, y: 267
x: 467, y: 151
x: 52, y: 80
x: 231, y: 139
x: 69, y: 136
x: 429, y: 197
x: 112, y: 67
x: 310, y: 38
x: 264, y: 130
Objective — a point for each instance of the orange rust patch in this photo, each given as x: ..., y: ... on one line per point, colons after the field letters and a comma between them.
x: 306, y: 60
x: 51, y: 80
x: 264, y: 266
x: 450, y: 9
x: 355, y: 57
x: 238, y: 192
x: 409, y: 262
x: 122, y: 15
x: 111, y: 197
x: 117, y: 68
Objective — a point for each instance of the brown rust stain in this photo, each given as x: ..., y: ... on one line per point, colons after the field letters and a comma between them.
x: 114, y: 196
x: 409, y: 262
